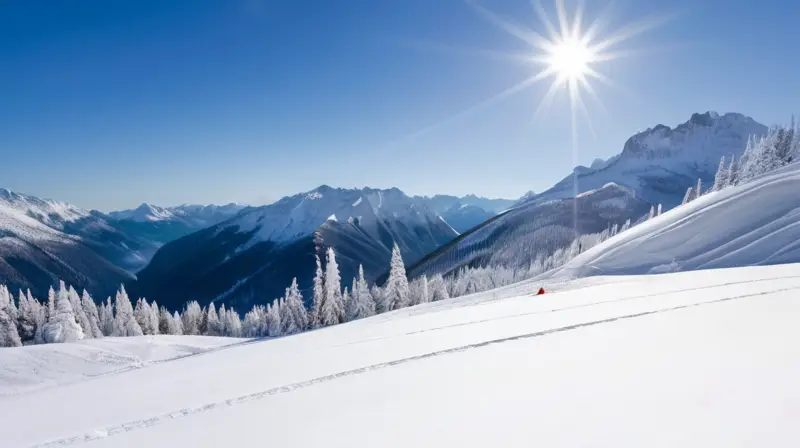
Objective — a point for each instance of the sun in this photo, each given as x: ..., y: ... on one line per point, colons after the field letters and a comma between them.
x: 570, y: 59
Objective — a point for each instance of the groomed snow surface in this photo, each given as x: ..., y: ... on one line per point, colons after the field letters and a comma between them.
x: 703, y: 359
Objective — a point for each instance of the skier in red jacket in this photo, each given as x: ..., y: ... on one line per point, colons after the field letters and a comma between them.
x: 541, y: 292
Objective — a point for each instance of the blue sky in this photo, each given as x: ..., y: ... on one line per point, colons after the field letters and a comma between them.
x: 109, y: 104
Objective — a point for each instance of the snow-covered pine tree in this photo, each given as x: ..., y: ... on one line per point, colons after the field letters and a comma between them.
x: 176, y: 326
x: 9, y: 335
x: 314, y: 317
x: 273, y: 319
x: 125, y: 323
x: 51, y: 303
x: 424, y: 297
x: 251, y: 326
x: 438, y: 289
x: 295, y: 307
x: 28, y: 311
x: 652, y: 212
x: 191, y: 318
x: 62, y: 325
x: 396, y: 292
x: 164, y: 321
x: 41, y: 319
x: 721, y: 178
x: 214, y: 324
x: 658, y: 213
x: 733, y: 172
x: 107, y: 318
x: 233, y: 323
x: 378, y: 294
x: 332, y: 309
x: 154, y: 319
x: 143, y: 316
x: 92, y: 314
x: 688, y: 196
x: 365, y: 301
x: 699, y: 189
x: 349, y: 304
x: 80, y: 313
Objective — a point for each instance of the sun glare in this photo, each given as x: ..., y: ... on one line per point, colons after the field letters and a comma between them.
x: 570, y: 59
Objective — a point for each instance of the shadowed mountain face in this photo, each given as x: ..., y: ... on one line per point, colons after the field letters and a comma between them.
x: 516, y: 237
x: 253, y: 257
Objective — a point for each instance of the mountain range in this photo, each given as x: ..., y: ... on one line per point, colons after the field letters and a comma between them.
x: 242, y: 255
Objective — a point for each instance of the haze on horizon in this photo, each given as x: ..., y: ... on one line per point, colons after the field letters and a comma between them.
x: 108, y: 105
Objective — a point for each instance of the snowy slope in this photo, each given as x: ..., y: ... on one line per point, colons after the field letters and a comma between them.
x: 661, y: 163
x: 515, y: 238
x: 253, y: 256
x: 696, y: 359
x: 756, y: 223
x: 40, y: 367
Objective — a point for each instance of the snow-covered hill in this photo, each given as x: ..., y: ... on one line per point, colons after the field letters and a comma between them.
x: 660, y: 163
x: 756, y: 223
x: 254, y: 256
x: 697, y: 359
x: 515, y: 238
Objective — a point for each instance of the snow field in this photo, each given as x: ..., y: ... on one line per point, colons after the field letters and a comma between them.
x: 688, y: 359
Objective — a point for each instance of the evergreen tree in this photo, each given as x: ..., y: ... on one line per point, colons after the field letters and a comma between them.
x: 9, y: 336
x: 61, y: 325
x: 319, y: 296
x: 396, y: 293
x: 733, y: 172
x: 107, y: 318
x: 92, y: 314
x: 51, y: 303
x: 28, y: 312
x: 365, y: 301
x: 688, y: 196
x: 295, y: 307
x: 125, y: 323
x: 142, y: 315
x: 165, y: 322
x: 378, y: 294
x: 253, y: 324
x: 332, y: 309
x: 214, y: 325
x: 273, y: 319
x: 176, y: 326
x: 424, y: 297
x: 154, y: 318
x: 699, y: 189
x: 652, y: 212
x: 233, y: 323
x: 191, y: 318
x: 721, y: 178
x: 438, y: 288
x: 80, y: 313
x: 349, y: 305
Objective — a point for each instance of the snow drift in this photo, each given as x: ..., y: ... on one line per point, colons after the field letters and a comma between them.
x: 757, y: 223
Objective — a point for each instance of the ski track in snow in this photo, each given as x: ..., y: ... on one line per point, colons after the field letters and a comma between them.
x: 108, y: 431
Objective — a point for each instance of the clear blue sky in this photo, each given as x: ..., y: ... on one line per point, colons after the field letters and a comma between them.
x: 107, y: 104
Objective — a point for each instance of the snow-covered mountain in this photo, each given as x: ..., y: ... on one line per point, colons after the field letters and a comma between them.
x: 196, y: 216
x: 91, y: 228
x: 515, y: 238
x: 660, y: 163
x: 757, y: 223
x: 37, y: 247
x: 253, y: 256
x: 465, y: 212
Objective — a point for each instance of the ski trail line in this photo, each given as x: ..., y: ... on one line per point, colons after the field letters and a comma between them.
x: 133, y: 425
